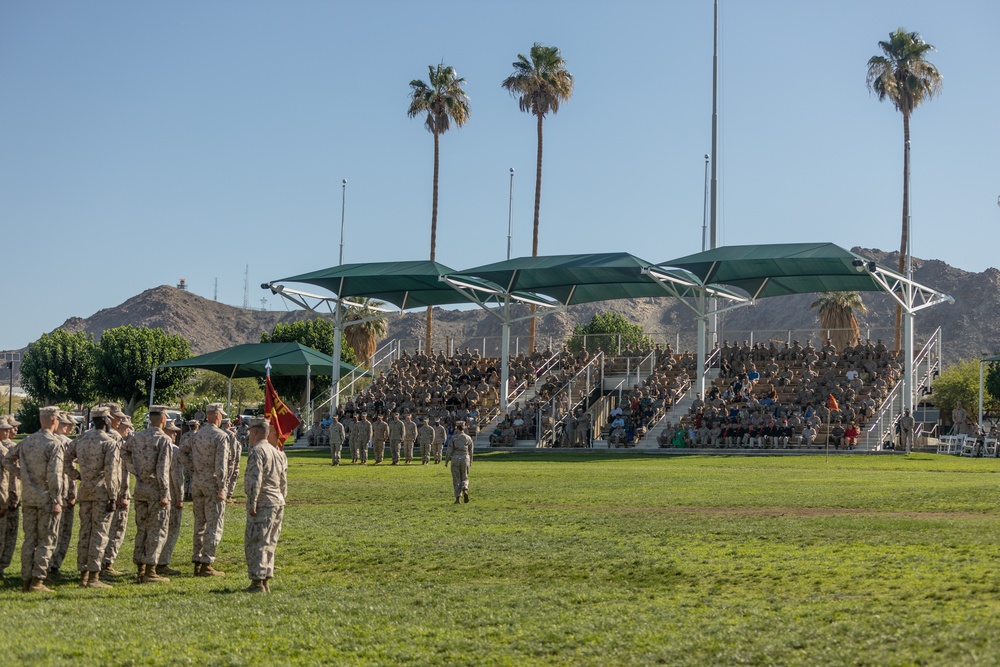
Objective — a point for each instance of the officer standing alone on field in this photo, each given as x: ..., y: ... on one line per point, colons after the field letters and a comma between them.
x: 266, y: 484
x: 337, y: 437
x: 459, y: 454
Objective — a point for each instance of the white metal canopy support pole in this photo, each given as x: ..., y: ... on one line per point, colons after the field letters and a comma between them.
x: 152, y: 387
x: 908, y: 384
x: 338, y: 341
x: 505, y: 355
x: 982, y: 365
x: 309, y: 397
x: 702, y: 334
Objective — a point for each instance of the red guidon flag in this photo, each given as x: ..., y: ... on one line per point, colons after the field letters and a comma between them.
x: 282, y: 419
x: 833, y: 403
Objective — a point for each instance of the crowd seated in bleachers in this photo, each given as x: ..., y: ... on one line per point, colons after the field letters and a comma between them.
x: 768, y: 396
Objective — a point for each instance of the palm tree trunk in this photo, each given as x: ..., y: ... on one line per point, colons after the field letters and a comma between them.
x: 434, y: 231
x: 534, y: 231
x: 905, y: 236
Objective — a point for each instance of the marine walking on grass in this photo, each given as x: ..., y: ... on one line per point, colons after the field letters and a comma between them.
x: 460, y: 449
x: 266, y: 484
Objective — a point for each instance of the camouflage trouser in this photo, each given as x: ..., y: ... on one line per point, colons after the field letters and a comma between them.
x: 394, y: 446
x: 460, y: 474
x: 116, y: 535
x: 425, y: 453
x: 41, y: 528
x: 95, y: 525
x: 408, y: 451
x: 173, y: 531
x: 234, y: 475
x: 8, y: 525
x: 65, y: 535
x: 363, y: 452
x: 260, y: 540
x: 437, y: 448
x: 379, y: 450
x: 209, y: 513
x: 335, y: 451
x: 150, y: 531
x: 187, y: 485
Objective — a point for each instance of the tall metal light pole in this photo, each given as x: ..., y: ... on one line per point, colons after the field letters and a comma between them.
x: 704, y: 210
x: 510, y: 213
x: 343, y: 201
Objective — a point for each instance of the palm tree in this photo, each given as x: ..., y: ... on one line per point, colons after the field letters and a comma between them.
x: 540, y: 85
x: 836, y: 316
x: 906, y: 79
x: 444, y: 101
x: 363, y: 338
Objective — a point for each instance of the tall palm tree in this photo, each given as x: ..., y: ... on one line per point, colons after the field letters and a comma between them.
x: 444, y: 102
x: 836, y: 316
x: 363, y: 338
x: 905, y: 78
x: 540, y: 85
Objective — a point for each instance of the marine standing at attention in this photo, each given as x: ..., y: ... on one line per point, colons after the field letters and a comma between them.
x: 337, y: 437
x: 361, y: 435
x: 425, y: 435
x: 10, y: 495
x: 207, y: 456
x: 121, y: 430
x: 151, y: 464
x: 70, y: 475
x: 409, y: 437
x: 380, y: 433
x: 266, y: 484
x: 395, y: 436
x: 176, y: 504
x: 460, y: 456
x: 38, y: 461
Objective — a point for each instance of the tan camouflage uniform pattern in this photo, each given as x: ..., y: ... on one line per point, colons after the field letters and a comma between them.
x: 409, y: 437
x: 440, y: 436
x: 266, y: 484
x: 119, y: 519
x: 176, y: 506
x: 39, y: 462
x: 395, y: 437
x: 380, y: 433
x: 235, y: 452
x: 460, y: 456
x: 96, y: 455
x: 68, y: 514
x: 361, y: 435
x: 337, y: 438
x: 425, y: 436
x: 207, y: 456
x: 151, y: 462
x: 10, y: 497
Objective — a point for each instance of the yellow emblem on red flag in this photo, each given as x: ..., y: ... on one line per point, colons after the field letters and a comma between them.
x: 833, y: 403
x: 282, y: 419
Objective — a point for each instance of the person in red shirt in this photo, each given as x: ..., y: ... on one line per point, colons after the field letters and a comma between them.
x: 851, y: 435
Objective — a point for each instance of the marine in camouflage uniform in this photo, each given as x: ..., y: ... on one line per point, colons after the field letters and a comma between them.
x: 395, y: 437
x: 193, y: 425
x: 121, y: 432
x: 337, y: 437
x: 266, y: 484
x: 38, y: 460
x: 440, y: 437
x: 460, y: 456
x: 361, y: 435
x: 235, y: 451
x: 151, y: 463
x: 207, y: 456
x: 96, y: 454
x: 425, y: 436
x: 380, y: 433
x: 409, y: 437
x: 176, y: 505
x: 10, y: 496
x: 66, y: 517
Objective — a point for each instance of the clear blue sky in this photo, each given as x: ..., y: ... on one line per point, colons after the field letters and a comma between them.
x: 144, y: 142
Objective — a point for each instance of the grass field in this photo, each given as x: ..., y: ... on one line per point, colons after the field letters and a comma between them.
x: 571, y: 559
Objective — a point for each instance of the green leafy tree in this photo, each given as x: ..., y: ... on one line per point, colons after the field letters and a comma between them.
x: 126, y: 357
x: 444, y: 102
x: 317, y: 334
x: 60, y: 367
x: 540, y: 85
x: 991, y: 384
x: 903, y: 76
x: 959, y: 383
x: 212, y: 387
x: 837, y: 318
x: 603, y: 331
x: 27, y: 412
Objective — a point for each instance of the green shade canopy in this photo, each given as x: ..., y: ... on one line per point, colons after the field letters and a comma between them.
x: 404, y: 284
x: 571, y: 279
x: 250, y: 360
x: 777, y: 270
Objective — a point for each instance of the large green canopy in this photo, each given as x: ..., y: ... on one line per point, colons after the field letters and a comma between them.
x: 251, y: 359
x: 404, y: 284
x: 780, y: 269
x: 571, y: 279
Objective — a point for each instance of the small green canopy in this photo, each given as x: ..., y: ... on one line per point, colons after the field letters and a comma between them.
x: 404, y: 284
x: 780, y: 269
x: 250, y: 360
x: 572, y: 279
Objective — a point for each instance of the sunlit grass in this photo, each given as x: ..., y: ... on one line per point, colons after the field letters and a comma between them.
x: 573, y: 559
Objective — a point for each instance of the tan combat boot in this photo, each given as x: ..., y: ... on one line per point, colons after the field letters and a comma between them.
x: 166, y: 570
x: 267, y: 585
x: 84, y: 578
x: 197, y: 569
x: 208, y: 571
x: 36, y: 586
x: 140, y: 573
x: 110, y: 571
x: 256, y: 586
x: 95, y: 581
x: 151, y: 577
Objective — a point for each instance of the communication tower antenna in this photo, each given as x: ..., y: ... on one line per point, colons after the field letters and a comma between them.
x: 246, y: 288
x: 215, y: 294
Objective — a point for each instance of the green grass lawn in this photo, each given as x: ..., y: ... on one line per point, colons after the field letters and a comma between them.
x: 571, y: 559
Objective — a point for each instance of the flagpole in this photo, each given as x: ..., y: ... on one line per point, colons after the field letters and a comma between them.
x: 829, y: 417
